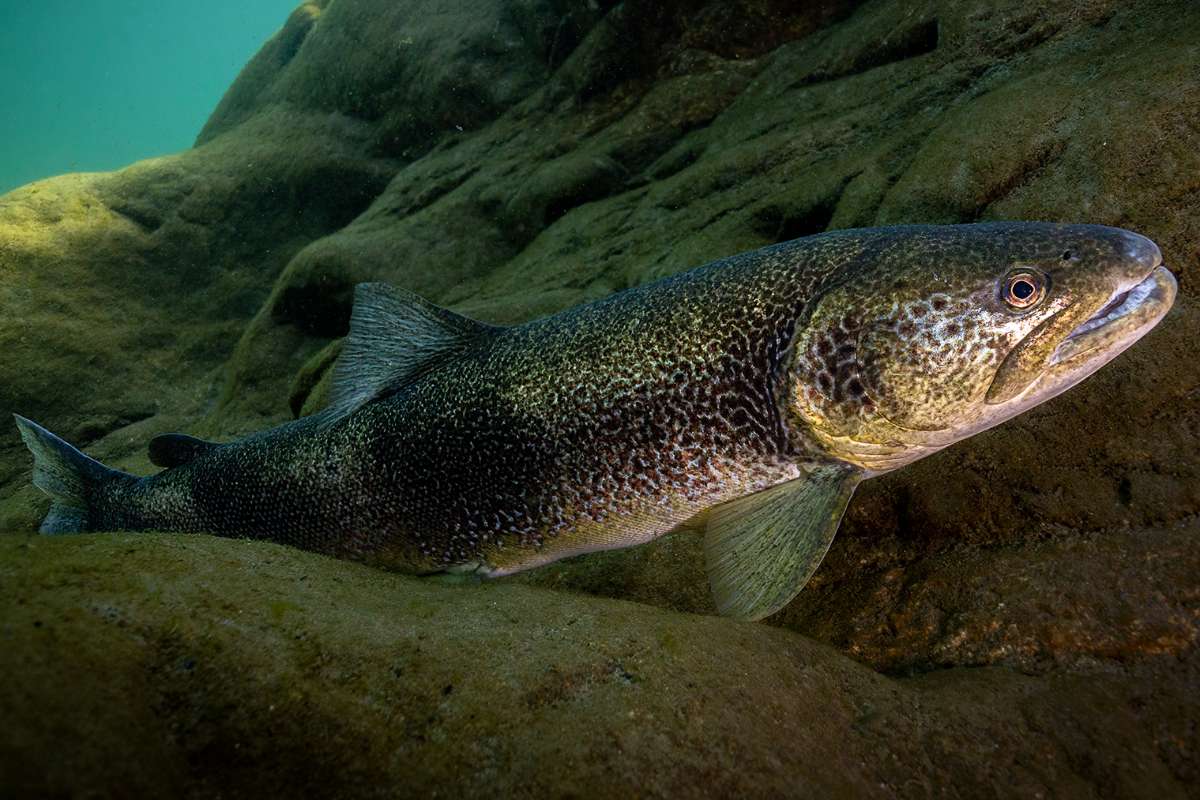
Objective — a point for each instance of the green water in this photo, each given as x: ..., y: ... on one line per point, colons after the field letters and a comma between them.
x: 88, y: 86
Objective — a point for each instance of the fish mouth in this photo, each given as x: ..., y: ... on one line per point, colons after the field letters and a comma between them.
x: 1128, y: 315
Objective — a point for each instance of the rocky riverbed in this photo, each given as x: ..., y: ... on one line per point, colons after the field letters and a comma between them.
x: 1015, y: 615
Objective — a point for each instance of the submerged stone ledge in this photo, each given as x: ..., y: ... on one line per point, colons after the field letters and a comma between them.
x: 191, y: 666
x: 1016, y: 615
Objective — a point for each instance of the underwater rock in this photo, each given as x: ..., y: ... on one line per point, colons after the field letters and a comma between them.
x: 179, y: 666
x: 414, y: 70
x: 1055, y: 556
x: 124, y: 293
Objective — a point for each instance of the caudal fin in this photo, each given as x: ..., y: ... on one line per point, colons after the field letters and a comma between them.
x: 64, y: 473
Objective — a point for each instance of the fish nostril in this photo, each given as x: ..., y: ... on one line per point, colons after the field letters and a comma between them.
x: 1142, y: 251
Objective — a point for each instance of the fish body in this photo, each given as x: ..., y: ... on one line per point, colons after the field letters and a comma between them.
x: 746, y: 398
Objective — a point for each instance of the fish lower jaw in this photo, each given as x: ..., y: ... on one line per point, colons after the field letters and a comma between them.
x: 1128, y: 316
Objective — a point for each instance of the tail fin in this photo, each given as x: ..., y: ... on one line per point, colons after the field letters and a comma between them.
x: 64, y: 473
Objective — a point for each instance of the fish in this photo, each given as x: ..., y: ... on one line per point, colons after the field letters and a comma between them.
x: 744, y: 401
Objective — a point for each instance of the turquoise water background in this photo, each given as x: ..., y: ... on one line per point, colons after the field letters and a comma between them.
x: 88, y: 85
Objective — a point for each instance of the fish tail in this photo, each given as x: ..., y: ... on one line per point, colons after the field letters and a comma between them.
x: 71, y: 478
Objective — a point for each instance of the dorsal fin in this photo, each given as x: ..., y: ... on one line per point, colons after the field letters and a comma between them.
x: 395, y: 337
x: 172, y: 449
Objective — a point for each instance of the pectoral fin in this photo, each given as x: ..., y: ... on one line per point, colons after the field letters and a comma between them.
x: 761, y: 549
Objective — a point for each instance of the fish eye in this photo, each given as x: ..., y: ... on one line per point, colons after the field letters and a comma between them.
x: 1024, y: 288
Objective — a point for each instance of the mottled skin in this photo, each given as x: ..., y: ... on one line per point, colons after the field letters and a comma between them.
x: 612, y: 423
x: 605, y: 425
x: 921, y: 350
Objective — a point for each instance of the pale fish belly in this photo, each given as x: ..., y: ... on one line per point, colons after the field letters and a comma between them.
x: 682, y: 507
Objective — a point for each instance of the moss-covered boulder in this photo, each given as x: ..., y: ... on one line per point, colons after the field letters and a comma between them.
x: 124, y: 294
x: 148, y: 665
x: 1055, y: 556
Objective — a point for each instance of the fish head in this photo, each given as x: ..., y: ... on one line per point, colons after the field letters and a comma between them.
x: 930, y: 334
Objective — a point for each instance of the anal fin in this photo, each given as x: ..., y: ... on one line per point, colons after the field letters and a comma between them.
x: 761, y: 549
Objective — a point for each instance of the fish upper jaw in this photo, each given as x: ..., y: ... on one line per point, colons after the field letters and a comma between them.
x: 1141, y: 253
x: 1130, y: 312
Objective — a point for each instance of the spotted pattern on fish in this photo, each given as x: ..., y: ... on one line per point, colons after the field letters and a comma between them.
x: 611, y: 423
x: 641, y: 409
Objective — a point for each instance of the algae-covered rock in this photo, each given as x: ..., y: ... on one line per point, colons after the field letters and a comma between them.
x: 415, y: 69
x: 511, y: 160
x: 125, y: 293
x: 176, y: 666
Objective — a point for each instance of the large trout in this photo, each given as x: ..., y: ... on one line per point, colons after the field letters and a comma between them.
x: 747, y: 398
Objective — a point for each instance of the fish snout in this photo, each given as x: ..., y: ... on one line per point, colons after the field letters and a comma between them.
x: 1142, y: 254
